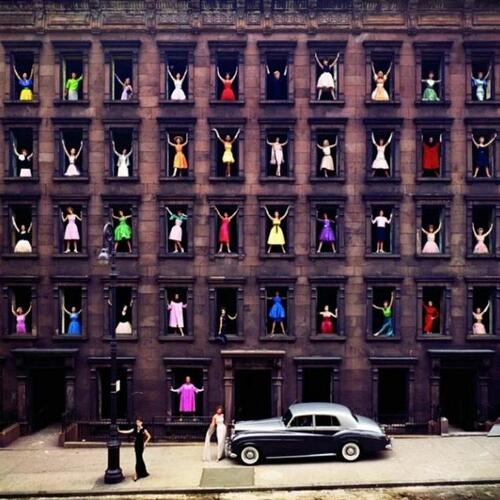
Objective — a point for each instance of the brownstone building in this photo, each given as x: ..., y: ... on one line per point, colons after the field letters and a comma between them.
x: 439, y: 363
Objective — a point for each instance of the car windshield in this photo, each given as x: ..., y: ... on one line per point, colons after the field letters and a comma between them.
x: 287, y: 417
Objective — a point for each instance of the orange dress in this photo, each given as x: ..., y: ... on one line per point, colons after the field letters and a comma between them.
x: 180, y: 160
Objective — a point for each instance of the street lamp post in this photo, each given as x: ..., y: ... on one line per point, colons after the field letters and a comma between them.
x: 107, y: 255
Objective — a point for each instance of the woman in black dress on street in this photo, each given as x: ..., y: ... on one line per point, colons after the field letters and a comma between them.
x: 139, y: 444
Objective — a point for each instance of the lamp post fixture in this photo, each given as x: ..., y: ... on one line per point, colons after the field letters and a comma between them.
x: 106, y: 256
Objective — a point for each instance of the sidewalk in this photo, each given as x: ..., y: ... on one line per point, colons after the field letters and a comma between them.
x: 33, y: 466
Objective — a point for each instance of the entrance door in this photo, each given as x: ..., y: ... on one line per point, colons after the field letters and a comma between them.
x: 317, y: 385
x: 252, y: 394
x: 458, y: 397
x: 48, y: 397
x: 392, y: 395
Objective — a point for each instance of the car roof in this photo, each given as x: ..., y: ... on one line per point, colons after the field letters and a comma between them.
x: 319, y: 408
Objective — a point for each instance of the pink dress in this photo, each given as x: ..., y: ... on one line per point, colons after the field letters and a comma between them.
x: 187, y: 400
x: 176, y: 317
x: 224, y: 230
x: 21, y: 323
x: 71, y: 231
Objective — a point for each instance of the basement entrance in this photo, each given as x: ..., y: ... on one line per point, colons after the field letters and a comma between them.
x: 48, y: 397
x: 392, y: 395
x: 458, y: 399
x: 252, y: 394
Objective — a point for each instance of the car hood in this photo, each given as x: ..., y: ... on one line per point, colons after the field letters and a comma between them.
x: 367, y: 424
x: 267, y: 424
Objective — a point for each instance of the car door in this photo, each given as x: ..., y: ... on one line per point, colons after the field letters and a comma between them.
x: 325, y: 428
x: 302, y: 439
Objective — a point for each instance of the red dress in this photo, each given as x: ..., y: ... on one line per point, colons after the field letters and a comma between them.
x: 431, y: 313
x: 326, y: 325
x: 224, y: 230
x: 430, y: 156
x: 227, y: 93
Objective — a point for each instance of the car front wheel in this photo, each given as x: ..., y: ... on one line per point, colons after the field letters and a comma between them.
x: 249, y: 455
x: 350, y: 452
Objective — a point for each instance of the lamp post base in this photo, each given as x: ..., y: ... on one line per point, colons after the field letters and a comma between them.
x: 113, y: 473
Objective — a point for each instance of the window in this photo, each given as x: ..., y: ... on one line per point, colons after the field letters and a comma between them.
x: 432, y: 60
x: 226, y: 227
x: 326, y: 421
x: 433, y: 308
x: 123, y: 212
x: 482, y: 150
x: 480, y: 59
x: 226, y: 309
x: 302, y: 421
x: 122, y: 310
x: 176, y: 227
x: 177, y: 139
x: 327, y: 72
x: 482, y: 232
x: 433, y: 150
x: 277, y: 309
x: 20, y: 217
x: 70, y: 238
x: 382, y: 226
x: 327, y: 149
x: 123, y: 150
x: 383, y: 308
x: 327, y: 308
x: 327, y: 228
x: 23, y: 66
x: 227, y: 150
x: 276, y: 58
x: 483, y: 301
x: 318, y: 378
x: 70, y: 302
x: 20, y: 307
x: 71, y: 149
x: 433, y: 226
x: 382, y: 147
x: 104, y: 382
x: 21, y: 149
x: 277, y: 153
x: 72, y: 71
x: 176, y: 309
x: 177, y: 72
x: 121, y: 71
x: 227, y: 63
x: 382, y: 72
x: 277, y: 231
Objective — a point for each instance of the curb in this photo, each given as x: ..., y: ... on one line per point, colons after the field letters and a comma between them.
x: 202, y: 492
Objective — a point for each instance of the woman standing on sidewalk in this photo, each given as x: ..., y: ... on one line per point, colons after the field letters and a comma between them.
x: 217, y: 424
x: 139, y: 444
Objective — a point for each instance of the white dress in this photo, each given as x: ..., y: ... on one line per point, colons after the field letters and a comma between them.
x: 327, y: 160
x: 277, y: 154
x: 176, y: 231
x: 221, y: 439
x: 71, y: 171
x: 431, y: 245
x: 23, y: 245
x: 478, y: 327
x: 123, y: 163
x: 178, y: 94
x: 325, y: 81
x: 24, y: 171
x: 481, y: 247
x: 380, y: 163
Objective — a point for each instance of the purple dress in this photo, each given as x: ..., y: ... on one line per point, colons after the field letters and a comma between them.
x: 21, y: 323
x: 187, y: 400
x: 327, y: 235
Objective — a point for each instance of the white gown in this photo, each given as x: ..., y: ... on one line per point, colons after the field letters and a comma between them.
x: 123, y: 163
x: 325, y: 81
x: 71, y: 171
x: 178, y: 94
x: 327, y: 160
x: 380, y: 163
x: 221, y: 439
x: 431, y: 245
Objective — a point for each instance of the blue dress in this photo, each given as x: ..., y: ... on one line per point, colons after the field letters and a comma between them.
x: 327, y: 234
x: 482, y: 157
x: 74, y: 324
x: 277, y: 312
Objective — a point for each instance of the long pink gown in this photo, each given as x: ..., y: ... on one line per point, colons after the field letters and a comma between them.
x: 187, y: 400
x: 176, y: 317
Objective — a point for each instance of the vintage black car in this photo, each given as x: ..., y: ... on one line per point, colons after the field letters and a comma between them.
x: 308, y: 430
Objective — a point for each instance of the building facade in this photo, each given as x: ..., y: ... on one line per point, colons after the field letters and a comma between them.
x: 410, y: 124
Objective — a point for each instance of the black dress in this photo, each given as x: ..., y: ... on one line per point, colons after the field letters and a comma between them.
x: 277, y: 88
x: 221, y: 336
x: 140, y: 466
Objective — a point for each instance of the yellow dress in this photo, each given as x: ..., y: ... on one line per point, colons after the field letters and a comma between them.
x: 228, y: 157
x: 26, y: 95
x: 276, y: 236
x: 380, y: 94
x: 180, y: 160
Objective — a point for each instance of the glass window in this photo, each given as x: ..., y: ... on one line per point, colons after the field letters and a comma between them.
x: 327, y: 421
x: 302, y: 421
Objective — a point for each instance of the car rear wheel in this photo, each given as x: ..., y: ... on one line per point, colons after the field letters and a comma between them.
x: 249, y: 455
x: 350, y: 452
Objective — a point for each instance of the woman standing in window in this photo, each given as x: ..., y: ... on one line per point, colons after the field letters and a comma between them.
x: 430, y: 245
x: 124, y: 325
x: 180, y: 160
x: 480, y: 235
x: 227, y: 93
x: 227, y: 157
x: 187, y: 397
x: 430, y: 95
x: 218, y: 426
x: 431, y: 155
x: 26, y: 83
x: 141, y: 439
x: 224, y: 230
x: 482, y: 85
x: 71, y: 233
x: 72, y: 86
x: 123, y: 162
x: 431, y: 314
x: 23, y: 244
x: 381, y: 221
x: 277, y: 84
x: 23, y: 161
x: 175, y: 234
x: 276, y: 236
x: 388, y: 324
x: 176, y: 314
x: 178, y: 92
x: 72, y: 156
x: 123, y: 232
x: 327, y: 81
x: 326, y: 322
x: 380, y: 163
x: 327, y: 165
x: 20, y: 316
x: 379, y: 93
x: 482, y: 156
x: 277, y: 313
x: 478, y: 327
x: 222, y: 331
x: 327, y: 234
x: 74, y: 327
x: 127, y: 90
x: 277, y: 156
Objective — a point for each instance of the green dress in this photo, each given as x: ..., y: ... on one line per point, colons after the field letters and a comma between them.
x: 429, y: 92
x: 123, y: 231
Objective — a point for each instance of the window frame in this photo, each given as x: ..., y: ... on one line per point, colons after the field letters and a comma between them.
x: 487, y: 201
x: 333, y: 47
x: 238, y: 285
x: 435, y: 49
x: 331, y: 363
x: 9, y: 125
x: 483, y: 282
x: 59, y: 125
x: 166, y: 50
x: 444, y: 202
x: 9, y: 282
x: 485, y: 123
x: 186, y: 282
x: 338, y: 282
x: 445, y: 284
x: 282, y: 48
x: 59, y: 284
x: 64, y: 49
